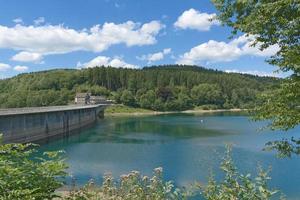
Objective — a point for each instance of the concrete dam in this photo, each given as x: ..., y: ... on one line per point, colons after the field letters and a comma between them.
x: 32, y: 124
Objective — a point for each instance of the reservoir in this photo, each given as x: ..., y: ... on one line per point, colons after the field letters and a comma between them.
x: 187, y: 146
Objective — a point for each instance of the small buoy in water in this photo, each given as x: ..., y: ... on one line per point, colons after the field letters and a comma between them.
x: 201, y: 120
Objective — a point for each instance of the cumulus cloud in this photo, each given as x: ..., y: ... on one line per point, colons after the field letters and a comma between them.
x: 57, y: 39
x: 210, y: 51
x: 27, y: 57
x: 4, y: 67
x: 214, y: 51
x: 106, y: 61
x: 39, y: 21
x: 253, y: 72
x: 20, y: 68
x: 155, y: 56
x: 18, y: 20
x: 194, y: 19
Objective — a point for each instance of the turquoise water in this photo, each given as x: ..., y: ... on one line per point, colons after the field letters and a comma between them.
x: 187, y: 146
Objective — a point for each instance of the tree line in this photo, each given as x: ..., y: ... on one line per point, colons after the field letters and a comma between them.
x: 163, y: 88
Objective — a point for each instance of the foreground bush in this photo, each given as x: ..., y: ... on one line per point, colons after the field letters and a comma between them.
x: 23, y: 177
x: 236, y: 186
x: 132, y: 186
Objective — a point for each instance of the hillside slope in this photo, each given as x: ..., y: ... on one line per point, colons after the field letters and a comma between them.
x: 168, y: 87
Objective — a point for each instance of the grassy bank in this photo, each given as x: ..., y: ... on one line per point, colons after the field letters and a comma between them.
x: 119, y: 110
x: 122, y: 109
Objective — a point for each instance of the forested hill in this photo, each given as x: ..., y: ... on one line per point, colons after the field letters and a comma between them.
x: 168, y: 87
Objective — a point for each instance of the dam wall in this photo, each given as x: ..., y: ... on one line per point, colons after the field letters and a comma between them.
x: 32, y: 124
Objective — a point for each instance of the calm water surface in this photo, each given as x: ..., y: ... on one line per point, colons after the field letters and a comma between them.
x: 187, y: 146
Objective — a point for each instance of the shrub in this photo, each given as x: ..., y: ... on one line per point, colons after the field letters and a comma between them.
x: 132, y: 186
x: 237, y: 186
x: 208, y: 107
x: 25, y: 177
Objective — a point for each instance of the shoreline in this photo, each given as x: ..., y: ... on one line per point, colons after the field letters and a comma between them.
x: 171, y: 112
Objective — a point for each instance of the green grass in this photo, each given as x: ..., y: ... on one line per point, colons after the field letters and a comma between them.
x: 115, y: 109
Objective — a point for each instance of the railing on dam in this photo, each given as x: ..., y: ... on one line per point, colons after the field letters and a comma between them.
x: 31, y: 110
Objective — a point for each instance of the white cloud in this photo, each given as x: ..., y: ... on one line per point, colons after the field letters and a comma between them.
x: 50, y: 39
x: 249, y: 49
x: 253, y: 72
x: 18, y: 20
x: 39, y: 21
x: 214, y: 51
x: 106, y: 61
x: 20, y: 68
x: 4, y: 67
x: 155, y: 56
x: 167, y: 51
x: 27, y: 57
x: 210, y: 51
x: 193, y: 19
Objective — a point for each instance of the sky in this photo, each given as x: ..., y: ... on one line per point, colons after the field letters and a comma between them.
x: 40, y: 35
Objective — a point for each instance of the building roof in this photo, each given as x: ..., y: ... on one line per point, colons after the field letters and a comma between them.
x: 98, y: 97
x: 82, y: 95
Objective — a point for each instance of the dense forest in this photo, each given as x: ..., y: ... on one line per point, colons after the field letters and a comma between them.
x: 168, y: 87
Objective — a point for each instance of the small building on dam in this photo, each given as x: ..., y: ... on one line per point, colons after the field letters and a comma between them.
x: 39, y: 123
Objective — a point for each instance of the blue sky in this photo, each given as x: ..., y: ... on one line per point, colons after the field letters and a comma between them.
x: 40, y: 35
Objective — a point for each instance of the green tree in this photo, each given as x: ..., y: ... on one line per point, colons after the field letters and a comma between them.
x: 127, y: 98
x: 159, y: 105
x: 99, y: 90
x: 116, y: 96
x: 272, y: 22
x: 147, y: 100
x: 164, y: 93
x: 183, y: 101
x: 206, y: 94
x: 132, y: 84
